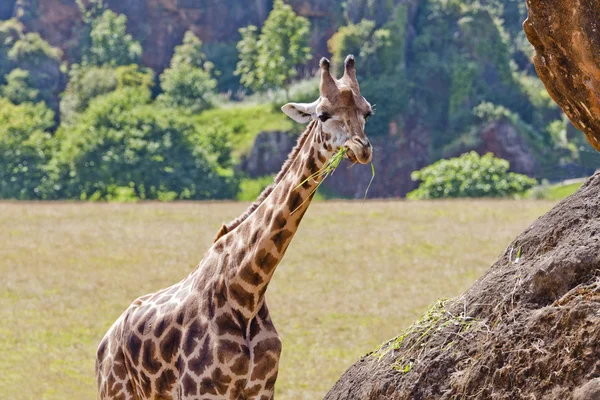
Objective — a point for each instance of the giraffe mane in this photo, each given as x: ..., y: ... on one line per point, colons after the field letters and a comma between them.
x: 226, y: 228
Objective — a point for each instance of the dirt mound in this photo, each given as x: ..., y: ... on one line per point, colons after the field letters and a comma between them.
x: 528, y: 329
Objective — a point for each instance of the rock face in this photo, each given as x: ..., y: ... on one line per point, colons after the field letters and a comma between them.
x: 160, y: 24
x: 268, y: 154
x: 394, y: 160
x: 502, y: 139
x: 528, y: 329
x: 271, y: 149
x: 566, y: 39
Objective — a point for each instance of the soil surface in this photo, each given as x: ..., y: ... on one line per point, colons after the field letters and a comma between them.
x: 528, y: 329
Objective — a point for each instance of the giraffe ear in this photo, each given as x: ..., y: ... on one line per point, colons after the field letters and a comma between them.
x: 301, y: 112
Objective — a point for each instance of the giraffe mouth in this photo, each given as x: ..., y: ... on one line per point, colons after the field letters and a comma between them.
x: 359, y: 152
x: 351, y: 156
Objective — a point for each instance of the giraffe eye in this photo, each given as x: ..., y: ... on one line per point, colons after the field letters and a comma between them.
x: 324, y: 117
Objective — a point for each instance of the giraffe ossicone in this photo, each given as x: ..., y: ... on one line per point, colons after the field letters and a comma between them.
x: 210, y: 336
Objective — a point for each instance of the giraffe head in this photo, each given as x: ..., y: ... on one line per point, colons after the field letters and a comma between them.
x: 342, y: 112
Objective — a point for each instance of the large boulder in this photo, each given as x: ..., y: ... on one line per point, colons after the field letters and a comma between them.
x: 528, y: 329
x: 566, y: 38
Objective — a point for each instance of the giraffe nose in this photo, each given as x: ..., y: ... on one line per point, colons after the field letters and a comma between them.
x: 361, y: 148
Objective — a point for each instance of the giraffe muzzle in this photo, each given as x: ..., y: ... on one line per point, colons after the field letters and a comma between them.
x: 359, y: 150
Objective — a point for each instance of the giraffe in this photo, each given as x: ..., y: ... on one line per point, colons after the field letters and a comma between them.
x: 210, y: 336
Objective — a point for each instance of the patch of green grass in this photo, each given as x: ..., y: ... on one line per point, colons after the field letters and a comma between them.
x: 349, y: 281
x: 251, y: 188
x: 555, y: 192
x: 247, y: 121
x: 415, y: 338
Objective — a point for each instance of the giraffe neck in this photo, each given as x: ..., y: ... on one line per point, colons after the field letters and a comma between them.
x: 254, y: 249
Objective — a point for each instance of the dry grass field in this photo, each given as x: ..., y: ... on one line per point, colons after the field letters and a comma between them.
x: 355, y: 275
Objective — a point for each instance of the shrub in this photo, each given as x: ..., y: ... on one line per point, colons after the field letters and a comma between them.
x: 123, y: 141
x: 251, y: 188
x: 109, y: 42
x: 87, y: 83
x: 24, y: 149
x: 469, y: 175
x: 19, y: 88
x: 188, y: 82
x: 268, y: 60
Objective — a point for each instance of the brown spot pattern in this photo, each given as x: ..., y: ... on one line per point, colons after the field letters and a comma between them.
x: 294, y: 201
x: 238, y: 390
x: 264, y: 362
x: 203, y: 360
x: 226, y: 324
x: 228, y: 350
x: 119, y: 368
x: 220, y: 380
x: 169, y: 346
x: 150, y: 361
x: 250, y: 276
x: 241, y: 365
x: 161, y: 326
x: 207, y: 387
x: 241, y: 296
x: 134, y: 345
x: 279, y: 222
x: 281, y: 239
x: 145, y: 384
x: 165, y: 382
x: 265, y: 261
x: 189, y: 386
x: 193, y: 333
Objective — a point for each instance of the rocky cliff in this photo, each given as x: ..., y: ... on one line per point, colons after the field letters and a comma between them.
x: 160, y: 24
x: 528, y: 329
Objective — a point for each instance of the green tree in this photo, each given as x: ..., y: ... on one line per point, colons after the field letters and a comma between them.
x: 19, y: 88
x: 188, y: 82
x: 469, y: 175
x: 109, y: 42
x: 125, y: 146
x: 41, y: 62
x: 269, y: 59
x: 363, y: 40
x: 87, y: 83
x: 10, y: 32
x: 24, y: 149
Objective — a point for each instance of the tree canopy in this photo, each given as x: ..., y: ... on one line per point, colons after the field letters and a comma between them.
x: 269, y: 59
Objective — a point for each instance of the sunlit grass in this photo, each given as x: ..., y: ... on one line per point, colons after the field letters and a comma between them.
x: 356, y: 274
x: 246, y: 121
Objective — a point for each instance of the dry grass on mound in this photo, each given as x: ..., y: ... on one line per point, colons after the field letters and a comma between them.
x: 354, y: 276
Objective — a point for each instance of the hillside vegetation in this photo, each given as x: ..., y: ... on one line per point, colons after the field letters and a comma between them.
x: 86, y: 108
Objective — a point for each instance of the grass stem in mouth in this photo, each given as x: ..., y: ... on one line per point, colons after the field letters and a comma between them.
x: 328, y: 169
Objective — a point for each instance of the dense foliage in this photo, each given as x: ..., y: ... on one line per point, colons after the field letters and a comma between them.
x: 269, y: 60
x: 24, y: 149
x: 188, y: 82
x: 95, y: 123
x: 123, y: 143
x: 469, y: 175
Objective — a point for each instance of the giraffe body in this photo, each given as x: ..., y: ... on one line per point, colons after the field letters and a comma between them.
x: 210, y: 336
